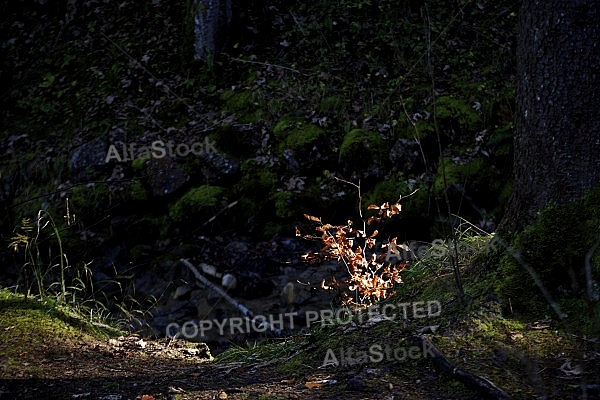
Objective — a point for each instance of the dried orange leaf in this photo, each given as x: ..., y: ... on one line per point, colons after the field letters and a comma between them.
x: 310, y: 217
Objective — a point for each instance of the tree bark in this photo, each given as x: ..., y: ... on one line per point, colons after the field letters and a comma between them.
x: 557, y: 126
x: 211, y: 26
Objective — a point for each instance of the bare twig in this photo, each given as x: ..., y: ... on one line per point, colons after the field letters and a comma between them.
x: 227, y: 207
x: 265, y: 64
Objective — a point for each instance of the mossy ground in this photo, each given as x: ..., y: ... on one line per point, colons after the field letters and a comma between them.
x: 34, y: 329
x: 526, y: 355
x: 555, y: 246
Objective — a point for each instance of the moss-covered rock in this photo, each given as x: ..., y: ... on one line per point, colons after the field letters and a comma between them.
x: 361, y: 149
x: 476, y: 177
x: 458, y: 114
x: 332, y: 105
x: 246, y: 105
x: 198, y: 202
x: 256, y: 179
x: 456, y: 119
x: 138, y: 164
x: 297, y: 135
x: 253, y: 190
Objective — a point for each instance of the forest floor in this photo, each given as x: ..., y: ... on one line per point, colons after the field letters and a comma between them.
x: 47, y: 353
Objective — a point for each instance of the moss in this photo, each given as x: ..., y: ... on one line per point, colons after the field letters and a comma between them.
x: 297, y: 135
x: 389, y: 190
x: 303, y: 137
x: 237, y: 101
x: 583, y: 316
x: 197, y: 202
x: 458, y: 110
x: 476, y: 175
x: 137, y: 191
x: 360, y: 149
x: 88, y: 198
x: 256, y: 178
x: 283, y: 204
x: 247, y: 105
x: 422, y: 129
x: 36, y: 322
x: 455, y: 117
x: 253, y: 190
x: 139, y: 163
x: 501, y: 141
x: 357, y: 140
x: 504, y: 195
x: 555, y: 246
x: 332, y: 105
x: 283, y: 126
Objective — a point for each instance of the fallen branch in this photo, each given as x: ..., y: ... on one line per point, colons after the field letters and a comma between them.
x: 246, y: 312
x: 478, y: 383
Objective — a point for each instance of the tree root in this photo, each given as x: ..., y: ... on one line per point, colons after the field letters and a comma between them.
x: 478, y: 383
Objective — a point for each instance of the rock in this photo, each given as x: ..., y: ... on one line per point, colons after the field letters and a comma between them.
x: 90, y: 156
x: 210, y: 270
x: 220, y: 163
x: 288, y: 294
x: 406, y: 156
x: 229, y: 281
x: 355, y: 384
x: 253, y: 287
x: 164, y: 176
x: 182, y: 292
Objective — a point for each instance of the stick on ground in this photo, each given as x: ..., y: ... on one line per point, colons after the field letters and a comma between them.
x: 246, y: 312
x: 484, y: 386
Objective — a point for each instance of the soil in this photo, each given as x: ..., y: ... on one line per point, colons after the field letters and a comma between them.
x: 164, y: 369
x: 132, y: 367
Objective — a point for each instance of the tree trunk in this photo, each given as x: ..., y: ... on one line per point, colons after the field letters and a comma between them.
x: 557, y: 137
x: 211, y: 25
